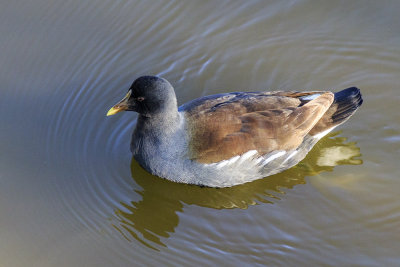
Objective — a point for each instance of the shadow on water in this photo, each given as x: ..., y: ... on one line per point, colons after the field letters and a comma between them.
x: 155, y: 215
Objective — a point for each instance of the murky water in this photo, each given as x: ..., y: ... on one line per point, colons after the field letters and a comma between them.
x: 71, y: 195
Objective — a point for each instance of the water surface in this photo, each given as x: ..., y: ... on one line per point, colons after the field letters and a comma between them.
x: 71, y: 194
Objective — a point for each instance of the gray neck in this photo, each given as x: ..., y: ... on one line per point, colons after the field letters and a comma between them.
x: 157, y: 136
x: 159, y: 125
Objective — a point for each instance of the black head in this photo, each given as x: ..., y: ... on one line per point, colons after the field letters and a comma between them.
x: 148, y: 95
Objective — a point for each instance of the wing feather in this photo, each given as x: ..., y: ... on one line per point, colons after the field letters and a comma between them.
x: 228, y: 125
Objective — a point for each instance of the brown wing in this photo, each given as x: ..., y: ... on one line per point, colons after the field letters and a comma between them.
x: 227, y: 125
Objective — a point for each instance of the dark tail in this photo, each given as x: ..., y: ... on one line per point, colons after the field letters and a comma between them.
x: 347, y: 102
x: 344, y: 105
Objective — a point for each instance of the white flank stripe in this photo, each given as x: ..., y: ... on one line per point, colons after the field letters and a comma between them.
x: 259, y: 160
x: 233, y: 160
x: 271, y: 158
x: 322, y: 134
x: 291, y: 155
x: 247, y: 155
x: 222, y: 164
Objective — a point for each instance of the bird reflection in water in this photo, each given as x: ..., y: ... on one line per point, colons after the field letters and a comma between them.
x: 155, y: 216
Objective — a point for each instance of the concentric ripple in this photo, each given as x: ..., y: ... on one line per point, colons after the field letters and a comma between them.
x: 93, y: 151
x: 71, y: 190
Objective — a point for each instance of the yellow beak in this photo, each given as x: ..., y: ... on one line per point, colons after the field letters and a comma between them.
x: 120, y: 106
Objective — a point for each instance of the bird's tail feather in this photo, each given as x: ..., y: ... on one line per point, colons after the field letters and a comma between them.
x: 345, y: 103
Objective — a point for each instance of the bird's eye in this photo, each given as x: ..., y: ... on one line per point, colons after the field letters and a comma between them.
x: 140, y: 98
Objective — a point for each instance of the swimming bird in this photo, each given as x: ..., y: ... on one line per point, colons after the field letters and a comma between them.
x: 228, y: 139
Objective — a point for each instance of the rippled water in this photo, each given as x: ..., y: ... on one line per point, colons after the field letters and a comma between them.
x: 71, y: 195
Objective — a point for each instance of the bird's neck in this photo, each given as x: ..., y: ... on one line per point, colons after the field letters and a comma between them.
x: 157, y: 134
x: 160, y: 125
